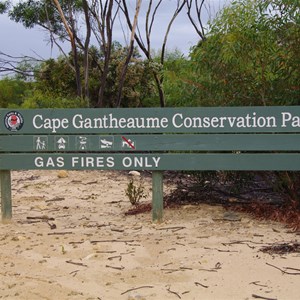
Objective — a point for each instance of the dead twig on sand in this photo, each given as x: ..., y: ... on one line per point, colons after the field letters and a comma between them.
x: 42, y: 218
x: 173, y: 228
x: 76, y: 263
x: 112, y: 241
x: 198, y: 283
x: 116, y: 268
x: 258, y: 284
x: 138, y: 288
x: 176, y: 270
x: 242, y: 242
x: 55, y: 199
x: 262, y: 297
x: 219, y: 250
x: 74, y: 273
x: 172, y: 292
x: 60, y: 233
x: 119, y: 257
x: 283, y: 271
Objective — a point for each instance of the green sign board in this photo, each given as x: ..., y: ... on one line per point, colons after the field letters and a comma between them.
x: 157, y: 139
x: 148, y: 142
x: 204, y: 161
x: 210, y: 138
x: 150, y: 120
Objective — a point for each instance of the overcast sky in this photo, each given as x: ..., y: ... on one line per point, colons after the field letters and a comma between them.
x: 16, y: 40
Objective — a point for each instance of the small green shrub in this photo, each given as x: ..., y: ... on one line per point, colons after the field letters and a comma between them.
x: 135, y: 191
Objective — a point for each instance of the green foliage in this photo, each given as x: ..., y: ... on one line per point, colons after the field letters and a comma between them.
x: 4, y: 5
x: 251, y: 56
x: 41, y: 13
x: 57, y: 77
x: 245, y: 59
x: 135, y: 191
x: 137, y: 81
x: 40, y: 99
x: 179, y: 82
x: 12, y: 92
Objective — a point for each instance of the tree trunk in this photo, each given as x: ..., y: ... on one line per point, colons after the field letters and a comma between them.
x: 86, y: 52
x: 71, y: 34
x: 160, y: 91
x: 129, y: 55
x: 107, y: 53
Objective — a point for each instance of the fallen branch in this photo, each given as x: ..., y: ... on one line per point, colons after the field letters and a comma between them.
x: 74, y: 273
x: 96, y: 225
x: 55, y: 199
x: 112, y: 241
x: 60, y: 233
x: 117, y: 229
x: 76, y: 263
x: 241, y: 242
x: 138, y: 288
x: 198, y: 283
x: 109, y: 251
x: 258, y: 284
x: 116, y: 268
x: 262, y: 297
x: 74, y: 243
x: 219, y: 250
x: 208, y: 270
x: 172, y: 292
x: 114, y: 202
x: 238, y: 242
x: 92, y: 182
x: 114, y: 257
x: 174, y: 228
x: 180, y: 244
x: 176, y: 270
x: 42, y: 218
x: 294, y: 269
x: 284, y: 272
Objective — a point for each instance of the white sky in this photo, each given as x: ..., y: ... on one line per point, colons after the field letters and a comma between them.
x: 17, y: 41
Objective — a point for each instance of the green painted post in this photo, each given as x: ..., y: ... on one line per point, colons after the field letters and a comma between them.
x: 6, y: 205
x: 157, y: 196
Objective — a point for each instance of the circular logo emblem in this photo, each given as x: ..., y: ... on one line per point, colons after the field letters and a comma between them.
x: 13, y: 121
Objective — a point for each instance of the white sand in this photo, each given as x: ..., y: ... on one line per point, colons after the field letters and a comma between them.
x: 96, y: 252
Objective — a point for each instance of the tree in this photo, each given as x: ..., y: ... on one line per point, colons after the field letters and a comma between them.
x: 71, y: 31
x: 145, y: 42
x: 47, y: 15
x: 78, y: 21
x: 245, y: 59
x: 53, y: 77
x: 104, y: 18
x: 61, y: 20
x: 130, y: 52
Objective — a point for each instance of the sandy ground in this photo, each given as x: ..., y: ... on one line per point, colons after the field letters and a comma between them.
x: 70, y: 239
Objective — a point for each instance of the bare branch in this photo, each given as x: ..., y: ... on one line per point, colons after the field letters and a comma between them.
x: 177, y: 11
x: 198, y: 10
x: 23, y: 65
